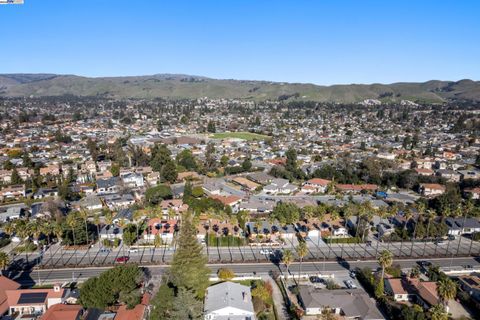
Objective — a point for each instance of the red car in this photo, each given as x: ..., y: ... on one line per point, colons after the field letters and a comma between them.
x: 123, y: 259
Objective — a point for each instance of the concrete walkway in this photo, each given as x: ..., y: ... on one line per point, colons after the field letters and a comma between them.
x: 277, y: 299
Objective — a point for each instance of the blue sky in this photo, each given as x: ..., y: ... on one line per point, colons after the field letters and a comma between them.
x: 317, y: 41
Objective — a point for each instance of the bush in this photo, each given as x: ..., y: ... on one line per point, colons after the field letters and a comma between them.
x: 27, y: 247
x: 395, y: 271
x: 4, y: 242
x: 111, y: 243
x: 225, y: 274
x: 342, y: 240
x: 156, y: 194
x: 476, y: 236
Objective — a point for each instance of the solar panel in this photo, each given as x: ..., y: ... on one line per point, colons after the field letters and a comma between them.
x: 35, y: 297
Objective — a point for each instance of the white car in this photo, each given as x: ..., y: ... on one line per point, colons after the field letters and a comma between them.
x: 350, y: 284
x: 266, y: 251
x: 133, y: 250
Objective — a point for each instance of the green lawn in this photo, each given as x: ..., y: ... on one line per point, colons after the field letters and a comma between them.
x: 240, y: 135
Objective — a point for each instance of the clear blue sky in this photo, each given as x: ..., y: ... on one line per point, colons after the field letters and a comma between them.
x: 317, y: 41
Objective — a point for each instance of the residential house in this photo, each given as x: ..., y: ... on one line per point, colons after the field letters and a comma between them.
x: 231, y: 201
x: 12, y: 192
x: 352, y: 188
x: 63, y: 312
x: 133, y: 180
x: 431, y: 189
x: 398, y: 289
x: 315, y: 185
x: 108, y: 186
x: 245, y: 183
x: 471, y: 285
x: 111, y: 232
x: 350, y: 303
x: 124, y: 215
x: 279, y: 186
x: 12, y: 212
x: 449, y: 175
x: 228, y: 300
x: 53, y: 170
x: 173, y: 207
x: 165, y: 229
x: 139, y: 312
x: 460, y: 226
x: 33, y: 301
x: 5, y: 285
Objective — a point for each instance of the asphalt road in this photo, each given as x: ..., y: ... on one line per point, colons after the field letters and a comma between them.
x: 57, y: 257
x: 39, y: 276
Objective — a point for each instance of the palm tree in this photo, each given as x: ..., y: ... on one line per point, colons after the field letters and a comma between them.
x: 9, y: 228
x: 4, y: 261
x: 72, y: 223
x: 96, y: 221
x: 385, y: 260
x: 108, y: 222
x: 121, y: 224
x: 287, y: 259
x: 58, y: 231
x: 302, y: 251
x: 446, y: 290
x: 430, y: 216
x: 438, y: 312
x: 47, y: 230
x: 84, y: 215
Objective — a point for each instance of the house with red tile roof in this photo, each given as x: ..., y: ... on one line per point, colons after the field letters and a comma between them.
x: 355, y: 188
x: 315, y: 185
x: 231, y: 200
x: 63, y: 312
x: 6, y: 284
x: 431, y: 189
x: 33, y: 301
x: 164, y: 228
x: 137, y: 313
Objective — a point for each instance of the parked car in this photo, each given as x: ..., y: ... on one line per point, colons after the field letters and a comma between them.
x: 315, y: 279
x: 133, y: 250
x: 266, y: 251
x: 451, y: 237
x: 122, y: 259
x: 104, y: 250
x: 424, y: 264
x: 350, y: 284
x: 352, y: 274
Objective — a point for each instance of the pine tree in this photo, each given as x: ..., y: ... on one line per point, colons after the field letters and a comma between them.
x: 16, y: 179
x: 188, y: 269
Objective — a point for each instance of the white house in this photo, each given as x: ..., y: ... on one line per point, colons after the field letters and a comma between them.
x: 228, y: 300
x: 133, y: 180
x: 281, y: 186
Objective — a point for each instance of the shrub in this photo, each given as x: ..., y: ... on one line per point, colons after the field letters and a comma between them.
x: 225, y: 274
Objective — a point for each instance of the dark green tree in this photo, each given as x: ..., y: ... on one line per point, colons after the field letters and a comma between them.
x: 169, y: 172
x: 188, y: 269
x: 158, y: 193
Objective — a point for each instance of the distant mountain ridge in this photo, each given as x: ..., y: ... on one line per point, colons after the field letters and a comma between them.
x: 186, y: 86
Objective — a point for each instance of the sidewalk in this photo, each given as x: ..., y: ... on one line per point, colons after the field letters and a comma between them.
x: 277, y: 299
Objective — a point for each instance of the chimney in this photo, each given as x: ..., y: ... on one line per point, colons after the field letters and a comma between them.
x: 56, y: 288
x: 244, y: 296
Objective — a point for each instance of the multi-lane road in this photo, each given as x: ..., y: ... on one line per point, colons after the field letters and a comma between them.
x: 43, y: 276
x: 58, y: 257
x: 58, y: 265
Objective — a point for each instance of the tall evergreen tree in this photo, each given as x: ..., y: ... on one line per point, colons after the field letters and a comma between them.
x: 188, y: 269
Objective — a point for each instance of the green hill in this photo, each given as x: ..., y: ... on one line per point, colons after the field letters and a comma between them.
x: 185, y: 86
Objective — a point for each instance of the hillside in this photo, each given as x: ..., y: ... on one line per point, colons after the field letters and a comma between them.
x: 184, y: 86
